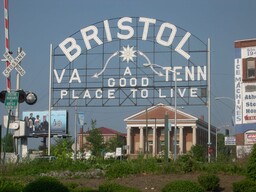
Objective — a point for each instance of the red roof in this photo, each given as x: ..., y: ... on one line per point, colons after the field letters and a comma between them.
x: 107, y: 131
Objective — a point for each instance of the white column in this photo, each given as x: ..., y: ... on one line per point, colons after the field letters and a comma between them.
x: 181, y: 140
x: 154, y: 141
x: 194, y: 135
x: 141, y: 139
x: 128, y: 140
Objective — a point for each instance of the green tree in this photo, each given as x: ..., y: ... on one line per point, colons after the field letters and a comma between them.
x: 225, y: 152
x: 251, y: 166
x: 62, y: 148
x: 198, y: 153
x: 95, y: 139
x: 114, y: 142
x: 8, y: 143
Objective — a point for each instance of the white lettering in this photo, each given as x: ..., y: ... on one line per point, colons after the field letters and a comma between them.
x: 160, y: 94
x: 144, y: 82
x: 111, y: 93
x: 177, y: 73
x: 133, y: 82
x: 165, y: 36
x: 122, y: 82
x: 146, y: 21
x: 189, y: 73
x: 75, y: 77
x: 74, y: 96
x: 98, y: 94
x: 134, y: 91
x: 107, y: 30
x: 167, y: 70
x: 144, y: 93
x: 125, y: 27
x: 182, y: 92
x: 59, y: 78
x: 63, y: 93
x: 201, y: 73
x: 127, y: 71
x: 87, y: 94
x: 93, y: 35
x: 73, y: 51
x: 161, y: 31
x: 193, y: 92
x: 111, y: 82
x: 181, y: 44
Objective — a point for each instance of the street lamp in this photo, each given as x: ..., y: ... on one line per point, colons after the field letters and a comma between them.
x: 175, y: 102
x: 231, y: 99
x: 220, y: 98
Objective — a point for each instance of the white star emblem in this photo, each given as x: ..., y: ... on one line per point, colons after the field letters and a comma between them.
x: 128, y: 53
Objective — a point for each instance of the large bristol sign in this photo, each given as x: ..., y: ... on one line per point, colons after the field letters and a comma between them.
x: 129, y: 61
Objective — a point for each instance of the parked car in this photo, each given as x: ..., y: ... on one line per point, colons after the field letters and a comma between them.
x: 46, y: 158
x: 110, y: 155
x: 88, y: 155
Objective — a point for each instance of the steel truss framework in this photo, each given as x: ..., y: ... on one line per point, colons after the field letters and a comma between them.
x: 107, y: 79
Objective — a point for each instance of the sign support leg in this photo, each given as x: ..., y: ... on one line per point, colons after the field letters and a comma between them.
x: 7, y: 133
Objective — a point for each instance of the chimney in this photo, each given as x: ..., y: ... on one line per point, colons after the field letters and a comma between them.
x: 201, y: 118
x: 81, y: 130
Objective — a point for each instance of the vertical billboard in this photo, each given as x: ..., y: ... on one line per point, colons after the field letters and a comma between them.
x: 37, y: 122
x: 245, y: 86
x: 238, y: 92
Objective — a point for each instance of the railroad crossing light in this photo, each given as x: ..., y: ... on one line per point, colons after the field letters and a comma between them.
x: 31, y: 98
x: 22, y: 96
x: 2, y: 96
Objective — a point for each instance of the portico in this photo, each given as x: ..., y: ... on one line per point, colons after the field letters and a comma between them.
x: 145, y: 131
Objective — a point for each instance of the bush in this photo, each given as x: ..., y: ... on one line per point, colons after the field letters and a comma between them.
x: 182, y: 186
x: 75, y: 187
x: 251, y: 168
x: 9, y: 186
x: 185, y: 163
x: 124, y: 168
x: 198, y: 153
x: 252, y: 189
x: 83, y: 189
x: 113, y: 187
x: 244, y: 185
x: 209, y: 182
x: 45, y: 184
x: 120, y: 169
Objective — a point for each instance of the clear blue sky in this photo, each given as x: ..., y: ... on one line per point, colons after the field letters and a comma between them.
x: 34, y: 25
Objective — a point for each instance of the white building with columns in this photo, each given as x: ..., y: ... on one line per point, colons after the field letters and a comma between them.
x: 145, y: 131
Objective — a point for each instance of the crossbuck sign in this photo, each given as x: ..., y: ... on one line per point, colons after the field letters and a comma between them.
x: 14, y: 63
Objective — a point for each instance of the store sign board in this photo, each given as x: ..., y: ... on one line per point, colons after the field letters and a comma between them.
x: 230, y: 140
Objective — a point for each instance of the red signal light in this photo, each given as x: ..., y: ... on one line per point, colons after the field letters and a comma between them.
x: 22, y: 96
x: 2, y: 96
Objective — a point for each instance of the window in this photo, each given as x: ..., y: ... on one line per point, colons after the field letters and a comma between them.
x: 150, y: 131
x: 249, y: 69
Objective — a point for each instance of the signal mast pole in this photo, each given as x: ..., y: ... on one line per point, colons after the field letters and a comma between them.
x: 7, y: 40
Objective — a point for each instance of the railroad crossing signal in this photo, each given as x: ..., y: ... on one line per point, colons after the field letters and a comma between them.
x: 29, y: 97
x: 14, y: 63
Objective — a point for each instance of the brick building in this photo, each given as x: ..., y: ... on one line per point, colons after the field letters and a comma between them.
x: 145, y: 131
x: 107, y: 134
x: 245, y: 95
